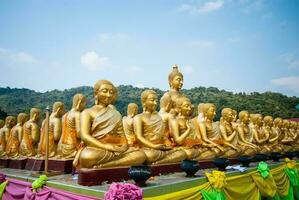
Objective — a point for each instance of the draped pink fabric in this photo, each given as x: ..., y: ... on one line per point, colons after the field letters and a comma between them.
x: 17, y: 190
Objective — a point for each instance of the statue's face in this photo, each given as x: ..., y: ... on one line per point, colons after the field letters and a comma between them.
x: 177, y: 82
x: 245, y: 118
x: 105, y: 94
x: 186, y: 108
x: 229, y: 116
x: 259, y: 120
x: 82, y: 104
x: 269, y: 122
x: 211, y: 112
x: 151, y: 102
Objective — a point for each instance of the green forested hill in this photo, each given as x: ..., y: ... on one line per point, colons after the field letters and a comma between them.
x: 13, y: 100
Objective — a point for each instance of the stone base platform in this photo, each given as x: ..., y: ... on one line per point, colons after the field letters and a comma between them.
x: 4, y: 162
x: 64, y: 166
x: 35, y: 164
x: 17, y: 163
x: 90, y: 177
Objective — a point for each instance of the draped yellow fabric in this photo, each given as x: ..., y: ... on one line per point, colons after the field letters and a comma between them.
x: 246, y: 186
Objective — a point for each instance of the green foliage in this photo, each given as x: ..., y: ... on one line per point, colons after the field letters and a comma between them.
x: 14, y: 101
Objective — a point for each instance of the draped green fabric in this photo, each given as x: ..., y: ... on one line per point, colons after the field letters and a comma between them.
x: 213, y: 195
x: 2, y: 188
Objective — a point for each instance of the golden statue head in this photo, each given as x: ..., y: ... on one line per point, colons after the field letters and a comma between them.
x: 175, y: 78
x: 1, y: 123
x: 293, y: 124
x: 149, y: 100
x: 58, y: 109
x: 184, y: 106
x: 79, y: 102
x: 104, y: 92
x: 209, y: 111
x: 132, y: 109
x: 285, y: 123
x: 235, y: 115
x: 35, y: 114
x: 22, y: 118
x: 244, y: 116
x: 268, y: 120
x: 165, y: 102
x: 10, y: 121
x: 277, y: 122
x: 227, y: 114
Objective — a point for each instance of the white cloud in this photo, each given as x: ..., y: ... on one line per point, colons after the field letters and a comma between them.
x: 291, y: 59
x: 17, y: 58
x: 139, y: 85
x: 92, y: 61
x: 290, y: 82
x: 201, y: 43
x: 187, y: 69
x: 204, y: 8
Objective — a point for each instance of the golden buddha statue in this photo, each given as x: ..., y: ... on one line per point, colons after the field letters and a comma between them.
x: 55, y: 130
x: 31, y: 132
x: 276, y: 129
x: 175, y: 80
x: 164, y: 112
x: 1, y: 123
x: 273, y: 135
x: 183, y: 130
x: 16, y: 135
x: 103, y: 135
x: 286, y: 139
x: 209, y: 131
x: 245, y: 136
x: 10, y: 121
x: 150, y: 132
x: 229, y: 134
x: 128, y: 124
x: 69, y: 142
x: 260, y: 136
x: 294, y: 135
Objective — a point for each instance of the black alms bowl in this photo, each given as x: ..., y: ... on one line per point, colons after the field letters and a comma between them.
x: 190, y: 167
x: 245, y: 160
x: 221, y: 163
x: 140, y: 174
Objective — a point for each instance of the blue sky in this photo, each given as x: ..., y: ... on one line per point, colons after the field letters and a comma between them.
x: 236, y: 45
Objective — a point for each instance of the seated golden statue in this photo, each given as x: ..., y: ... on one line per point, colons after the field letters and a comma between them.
x: 294, y: 135
x: 164, y: 112
x: 273, y: 135
x: 31, y: 133
x: 150, y: 132
x: 69, y: 142
x: 276, y: 131
x: 128, y: 124
x: 10, y: 121
x: 209, y: 131
x: 287, y: 138
x: 183, y: 130
x: 103, y: 135
x: 55, y: 129
x: 260, y: 137
x: 245, y: 139
x: 229, y: 133
x: 16, y: 135
x: 175, y: 80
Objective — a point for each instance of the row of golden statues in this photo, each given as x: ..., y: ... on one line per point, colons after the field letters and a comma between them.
x: 99, y: 136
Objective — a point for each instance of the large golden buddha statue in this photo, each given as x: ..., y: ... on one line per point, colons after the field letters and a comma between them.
x: 260, y: 136
x: 31, y: 132
x: 228, y: 132
x: 128, y: 124
x: 69, y: 141
x: 273, y: 134
x: 10, y: 121
x: 183, y: 130
x: 55, y: 130
x: 175, y: 80
x: 209, y: 131
x: 103, y: 135
x: 16, y: 135
x: 286, y: 137
x: 245, y: 139
x: 150, y: 132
